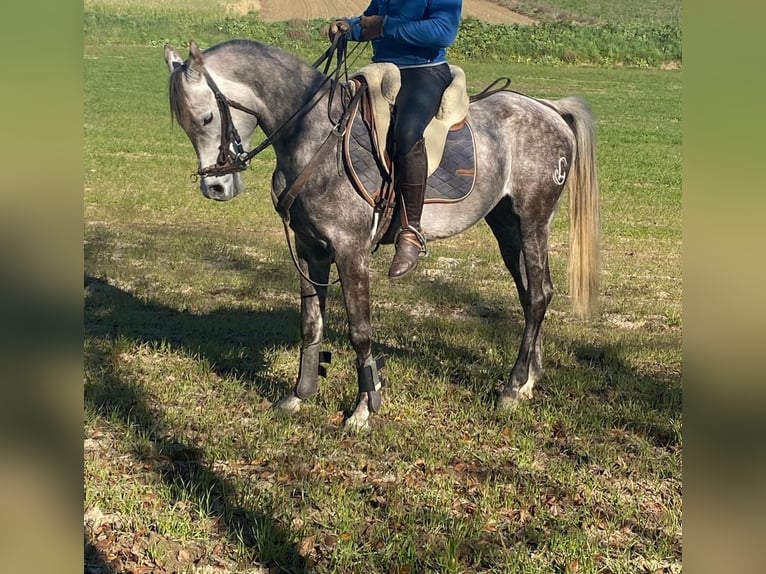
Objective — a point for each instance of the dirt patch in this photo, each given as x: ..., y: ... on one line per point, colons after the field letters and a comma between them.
x: 242, y: 7
x: 309, y: 9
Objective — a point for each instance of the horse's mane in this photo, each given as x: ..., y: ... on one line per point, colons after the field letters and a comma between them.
x: 177, y: 95
x: 179, y: 111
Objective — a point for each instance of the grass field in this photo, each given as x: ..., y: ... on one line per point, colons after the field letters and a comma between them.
x: 191, y: 333
x: 630, y: 43
x: 595, y: 11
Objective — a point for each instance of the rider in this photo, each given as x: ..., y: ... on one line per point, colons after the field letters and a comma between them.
x: 413, y: 35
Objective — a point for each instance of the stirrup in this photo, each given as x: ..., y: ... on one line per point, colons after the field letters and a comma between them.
x: 418, y: 235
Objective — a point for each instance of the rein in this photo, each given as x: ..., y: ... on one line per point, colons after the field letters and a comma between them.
x: 232, y: 157
x: 493, y: 88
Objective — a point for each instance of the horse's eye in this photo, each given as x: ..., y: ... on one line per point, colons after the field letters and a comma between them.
x: 207, y: 119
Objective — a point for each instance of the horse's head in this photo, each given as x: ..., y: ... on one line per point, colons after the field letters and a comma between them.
x: 212, y: 125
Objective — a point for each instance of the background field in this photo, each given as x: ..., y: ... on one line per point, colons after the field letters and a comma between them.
x: 495, y: 11
x: 191, y: 318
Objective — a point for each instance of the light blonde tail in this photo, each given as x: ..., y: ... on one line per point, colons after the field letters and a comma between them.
x: 584, y: 210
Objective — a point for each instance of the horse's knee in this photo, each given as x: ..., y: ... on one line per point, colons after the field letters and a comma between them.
x: 547, y: 293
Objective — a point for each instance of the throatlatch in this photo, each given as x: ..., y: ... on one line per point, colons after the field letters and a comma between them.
x: 311, y: 369
x: 370, y: 381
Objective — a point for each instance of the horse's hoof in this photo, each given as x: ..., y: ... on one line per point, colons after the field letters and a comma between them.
x: 510, y: 401
x: 525, y: 392
x: 356, y: 423
x: 290, y: 404
x: 507, y: 403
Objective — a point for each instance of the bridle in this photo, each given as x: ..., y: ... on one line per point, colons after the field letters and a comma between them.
x: 232, y: 157
x: 231, y: 154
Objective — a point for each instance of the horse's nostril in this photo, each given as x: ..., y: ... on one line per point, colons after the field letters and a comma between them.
x: 216, y: 188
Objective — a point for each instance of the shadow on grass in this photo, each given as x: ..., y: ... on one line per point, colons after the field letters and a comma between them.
x: 644, y: 398
x: 95, y: 561
x: 112, y: 313
x: 235, y: 340
x: 643, y: 404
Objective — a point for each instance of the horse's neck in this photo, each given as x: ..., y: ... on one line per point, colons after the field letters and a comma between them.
x: 284, y: 90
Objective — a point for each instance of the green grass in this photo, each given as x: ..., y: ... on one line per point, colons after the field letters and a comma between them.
x: 609, y: 43
x: 191, y: 320
x: 566, y: 43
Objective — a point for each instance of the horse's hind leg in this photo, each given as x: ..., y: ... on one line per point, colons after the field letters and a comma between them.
x: 525, y: 253
x: 314, y: 264
x: 535, y: 372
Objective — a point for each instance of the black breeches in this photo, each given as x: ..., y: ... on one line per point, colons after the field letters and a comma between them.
x: 417, y: 103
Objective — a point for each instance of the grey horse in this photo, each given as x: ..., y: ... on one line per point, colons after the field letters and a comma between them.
x: 527, y: 151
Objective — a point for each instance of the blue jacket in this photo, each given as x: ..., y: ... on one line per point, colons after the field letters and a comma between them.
x: 415, y: 32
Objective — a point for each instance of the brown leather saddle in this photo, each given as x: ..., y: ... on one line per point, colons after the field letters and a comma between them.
x: 366, y: 146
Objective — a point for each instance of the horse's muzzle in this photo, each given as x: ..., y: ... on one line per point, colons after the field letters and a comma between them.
x: 221, y: 188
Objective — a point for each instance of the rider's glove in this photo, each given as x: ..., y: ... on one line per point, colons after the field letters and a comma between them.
x: 338, y: 26
x: 372, y: 27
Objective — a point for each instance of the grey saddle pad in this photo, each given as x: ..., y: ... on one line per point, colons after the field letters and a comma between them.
x: 452, y: 181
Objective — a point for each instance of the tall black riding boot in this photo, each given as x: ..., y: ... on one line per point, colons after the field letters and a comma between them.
x: 412, y: 172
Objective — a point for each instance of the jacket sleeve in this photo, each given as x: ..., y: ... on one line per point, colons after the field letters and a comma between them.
x: 355, y: 22
x: 438, y: 31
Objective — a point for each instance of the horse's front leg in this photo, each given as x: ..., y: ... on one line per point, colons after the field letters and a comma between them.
x: 314, y: 263
x: 354, y: 271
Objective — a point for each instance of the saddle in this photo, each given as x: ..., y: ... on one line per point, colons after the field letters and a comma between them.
x: 366, y: 150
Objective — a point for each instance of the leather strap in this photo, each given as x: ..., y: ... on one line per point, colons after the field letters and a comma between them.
x: 284, y: 202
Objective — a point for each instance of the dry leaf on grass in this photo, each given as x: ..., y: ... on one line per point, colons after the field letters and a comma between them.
x: 306, y: 546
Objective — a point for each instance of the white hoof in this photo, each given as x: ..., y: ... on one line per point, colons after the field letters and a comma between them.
x: 289, y: 404
x: 525, y: 392
x: 511, y: 401
x: 355, y: 423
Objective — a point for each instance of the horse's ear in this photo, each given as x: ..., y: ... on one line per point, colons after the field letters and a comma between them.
x: 172, y: 59
x: 195, y: 53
